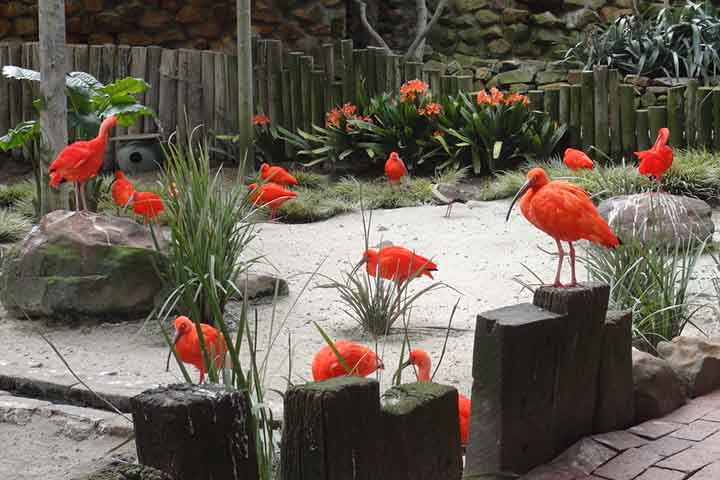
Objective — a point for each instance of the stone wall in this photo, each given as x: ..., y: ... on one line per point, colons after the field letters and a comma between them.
x: 201, y: 24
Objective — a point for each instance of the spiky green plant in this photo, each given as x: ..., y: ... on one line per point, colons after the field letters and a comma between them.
x: 13, y: 193
x: 13, y: 226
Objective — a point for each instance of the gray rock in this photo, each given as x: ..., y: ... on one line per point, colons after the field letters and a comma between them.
x: 261, y: 286
x: 658, y: 217
x: 657, y: 388
x: 695, y: 360
x: 83, y: 266
x: 127, y: 472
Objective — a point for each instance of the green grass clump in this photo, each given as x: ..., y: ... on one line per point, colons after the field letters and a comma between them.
x: 11, y: 194
x: 13, y: 226
x: 312, y: 205
x: 311, y: 180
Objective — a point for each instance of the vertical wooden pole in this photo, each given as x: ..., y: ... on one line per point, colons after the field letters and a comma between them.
x: 15, y: 91
x: 260, y: 80
x: 627, y: 119
x: 575, y: 115
x: 245, y: 82
x: 588, y: 110
x: 465, y: 83
x: 138, y: 69
x: 716, y: 119
x: 360, y: 69
x: 295, y: 90
x: 152, y: 98
x: 275, y: 84
x: 691, y: 104
x: 657, y: 119
x: 675, y: 116
x: 614, y: 106
x: 51, y: 15
x: 434, y: 83
x: 348, y: 91
x: 4, y: 93
x: 705, y: 104
x: 193, y: 91
x: 167, y: 101
x: 208, y: 90
x: 551, y: 103
x: 643, y: 141
x: 564, y: 104
x: 220, y: 101
x: 536, y: 98
x: 602, y: 129
x: 306, y: 68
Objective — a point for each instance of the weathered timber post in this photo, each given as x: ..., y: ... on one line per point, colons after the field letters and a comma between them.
x: 421, y: 433
x: 195, y: 432
x: 537, y: 376
x: 337, y: 430
x: 245, y: 86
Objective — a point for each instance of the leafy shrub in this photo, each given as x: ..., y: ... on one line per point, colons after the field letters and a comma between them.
x: 681, y: 41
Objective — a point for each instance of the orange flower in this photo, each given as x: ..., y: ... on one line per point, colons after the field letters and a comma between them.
x: 516, y: 98
x: 349, y: 110
x: 332, y: 118
x: 438, y: 133
x: 260, y: 120
x: 483, y: 97
x: 412, y: 89
x: 431, y: 109
x: 172, y: 190
x: 496, y: 96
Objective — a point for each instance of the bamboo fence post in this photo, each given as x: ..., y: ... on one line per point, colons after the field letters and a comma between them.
x: 675, y: 116
x: 657, y: 119
x: 716, y: 118
x: 317, y: 105
x: 628, y: 119
x: 182, y: 113
x: 536, y: 99
x: 208, y: 90
x: 295, y: 90
x: 306, y: 67
x: 614, y: 106
x: 575, y: 115
x: 643, y: 141
x: 4, y: 93
x: 446, y: 85
x: 138, y: 69
x: 221, y: 96
x: 348, y: 92
x: 242, y: 86
x: 564, y: 104
x: 167, y: 103
x: 360, y: 69
x: 152, y: 97
x: 691, y: 113
x: 434, y: 82
x: 588, y: 111
x: 371, y: 83
x: 705, y: 117
x: 260, y: 79
x: 551, y: 103
x: 275, y: 83
x: 602, y: 129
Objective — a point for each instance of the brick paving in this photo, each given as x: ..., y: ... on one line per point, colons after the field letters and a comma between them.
x: 684, y: 445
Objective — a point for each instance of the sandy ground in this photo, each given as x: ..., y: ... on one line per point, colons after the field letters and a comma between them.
x: 477, y: 252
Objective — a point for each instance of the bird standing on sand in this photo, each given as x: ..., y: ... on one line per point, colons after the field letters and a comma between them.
x: 577, y: 160
x: 122, y: 189
x: 277, y: 175
x: 565, y: 212
x: 361, y: 360
x: 396, y: 263
x: 658, y: 159
x: 81, y: 161
x: 187, y: 344
x: 271, y: 195
x: 421, y: 360
x: 395, y: 168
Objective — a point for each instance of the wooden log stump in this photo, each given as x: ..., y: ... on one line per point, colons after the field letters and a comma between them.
x: 615, y: 407
x: 330, y: 431
x: 195, y: 432
x: 421, y: 433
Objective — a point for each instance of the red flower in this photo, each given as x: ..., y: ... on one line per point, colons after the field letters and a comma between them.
x: 412, y: 89
x: 332, y: 118
x: 260, y: 120
x: 516, y: 98
x: 431, y: 109
x: 494, y: 98
x: 438, y: 133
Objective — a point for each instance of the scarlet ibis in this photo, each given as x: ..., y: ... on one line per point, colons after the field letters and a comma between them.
x: 81, y: 161
x: 147, y: 204
x: 395, y: 168
x: 361, y: 360
x: 277, y: 175
x: 187, y: 344
x: 122, y: 189
x: 271, y: 195
x: 658, y: 159
x: 396, y: 263
x: 577, y: 160
x: 565, y: 212
x: 421, y: 360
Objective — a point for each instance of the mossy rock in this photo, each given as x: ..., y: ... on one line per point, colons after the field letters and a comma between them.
x: 128, y: 472
x: 83, y: 266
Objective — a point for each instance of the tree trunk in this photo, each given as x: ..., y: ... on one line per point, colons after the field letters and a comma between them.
x: 53, y: 118
x: 245, y: 87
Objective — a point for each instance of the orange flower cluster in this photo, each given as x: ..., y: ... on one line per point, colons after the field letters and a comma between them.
x: 496, y: 97
x: 412, y: 89
x: 438, y: 133
x: 260, y: 120
x: 430, y: 109
x: 348, y: 111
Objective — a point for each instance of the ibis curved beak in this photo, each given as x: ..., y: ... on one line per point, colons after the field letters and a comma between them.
x: 526, y: 186
x: 402, y: 367
x: 176, y: 337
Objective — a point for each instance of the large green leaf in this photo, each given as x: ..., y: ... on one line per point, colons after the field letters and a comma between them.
x: 20, y: 135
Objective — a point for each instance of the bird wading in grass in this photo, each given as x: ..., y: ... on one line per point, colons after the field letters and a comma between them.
x: 395, y: 168
x: 122, y: 189
x: 270, y: 195
x: 565, y: 212
x: 658, y: 159
x: 396, y: 263
x: 360, y: 360
x: 188, y: 347
x: 81, y: 161
x: 421, y: 361
x: 277, y: 175
x: 577, y: 160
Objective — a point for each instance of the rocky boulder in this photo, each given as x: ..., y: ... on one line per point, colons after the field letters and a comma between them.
x: 695, y: 360
x: 75, y: 266
x: 657, y: 388
x: 658, y: 217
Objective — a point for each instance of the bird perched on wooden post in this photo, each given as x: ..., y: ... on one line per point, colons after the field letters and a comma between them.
x: 271, y: 195
x: 396, y: 263
x: 395, y: 168
x: 188, y: 347
x: 81, y: 161
x: 658, y: 159
x: 421, y: 360
x: 122, y: 189
x: 277, y: 175
x: 361, y: 360
x: 565, y: 212
x: 577, y: 160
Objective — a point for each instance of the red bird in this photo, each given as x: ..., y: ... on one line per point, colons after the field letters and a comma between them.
x: 395, y: 168
x: 421, y: 360
x: 361, y: 360
x: 122, y: 189
x: 187, y: 344
x: 271, y: 195
x: 577, y: 160
x: 397, y: 263
x: 565, y: 212
x: 81, y: 161
x: 277, y: 175
x: 147, y: 204
x: 657, y: 160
